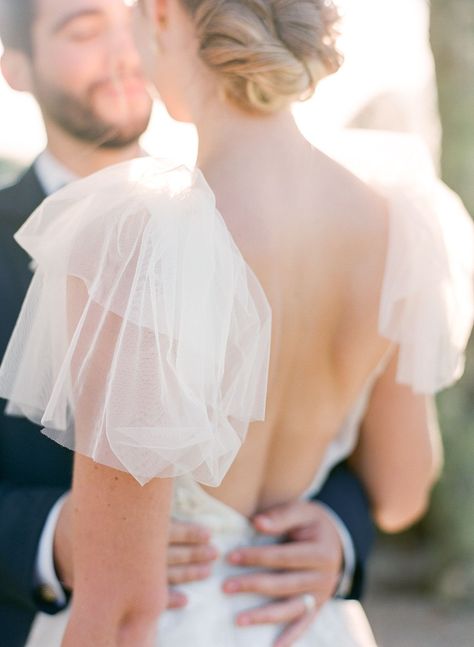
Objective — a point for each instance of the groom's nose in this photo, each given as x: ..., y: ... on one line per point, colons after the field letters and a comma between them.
x: 123, y: 55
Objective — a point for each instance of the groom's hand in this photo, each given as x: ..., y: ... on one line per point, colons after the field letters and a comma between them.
x: 309, y: 560
x: 190, y: 557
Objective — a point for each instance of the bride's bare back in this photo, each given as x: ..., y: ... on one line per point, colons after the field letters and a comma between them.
x: 316, y: 238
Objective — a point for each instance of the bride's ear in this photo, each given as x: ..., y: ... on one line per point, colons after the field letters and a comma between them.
x: 161, y: 12
x: 157, y: 11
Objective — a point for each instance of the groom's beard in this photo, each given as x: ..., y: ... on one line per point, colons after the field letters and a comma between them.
x: 78, y: 117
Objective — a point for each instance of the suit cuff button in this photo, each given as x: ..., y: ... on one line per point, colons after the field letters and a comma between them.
x: 47, y: 594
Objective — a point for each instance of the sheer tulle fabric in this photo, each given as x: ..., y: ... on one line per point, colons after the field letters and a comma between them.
x: 144, y: 339
x: 427, y: 295
x: 427, y: 301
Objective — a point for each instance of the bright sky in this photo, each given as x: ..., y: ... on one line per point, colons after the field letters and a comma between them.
x: 385, y: 48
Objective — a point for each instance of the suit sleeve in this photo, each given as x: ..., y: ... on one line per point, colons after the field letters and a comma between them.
x: 344, y: 494
x: 26, y: 457
x: 23, y: 513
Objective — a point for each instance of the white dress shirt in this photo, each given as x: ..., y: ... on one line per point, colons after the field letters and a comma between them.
x: 51, y: 174
x: 347, y: 574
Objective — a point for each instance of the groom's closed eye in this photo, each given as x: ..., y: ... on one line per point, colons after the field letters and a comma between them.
x: 81, y: 24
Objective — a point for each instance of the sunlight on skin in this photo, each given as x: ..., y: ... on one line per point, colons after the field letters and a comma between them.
x: 374, y: 64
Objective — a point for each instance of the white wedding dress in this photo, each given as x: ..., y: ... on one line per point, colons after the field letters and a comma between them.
x: 137, y: 272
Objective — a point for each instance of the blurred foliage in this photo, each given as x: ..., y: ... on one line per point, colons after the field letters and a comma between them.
x: 452, y: 35
x: 451, y: 519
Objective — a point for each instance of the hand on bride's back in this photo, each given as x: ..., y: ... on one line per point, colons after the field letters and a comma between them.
x: 190, y: 553
x: 306, y: 564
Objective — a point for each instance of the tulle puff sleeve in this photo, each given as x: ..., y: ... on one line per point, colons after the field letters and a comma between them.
x: 427, y: 302
x: 144, y: 338
x: 427, y: 295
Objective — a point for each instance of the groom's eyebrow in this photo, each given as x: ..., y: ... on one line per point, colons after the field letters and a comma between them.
x: 74, y: 15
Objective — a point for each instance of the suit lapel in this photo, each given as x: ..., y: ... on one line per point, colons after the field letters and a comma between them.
x: 27, y: 193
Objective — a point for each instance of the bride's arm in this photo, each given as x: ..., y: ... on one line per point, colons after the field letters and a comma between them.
x: 399, y: 455
x: 120, y: 541
x: 120, y: 528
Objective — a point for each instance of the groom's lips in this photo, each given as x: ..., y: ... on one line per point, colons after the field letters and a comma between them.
x: 131, y: 87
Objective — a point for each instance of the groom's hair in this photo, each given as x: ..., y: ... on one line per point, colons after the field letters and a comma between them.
x: 16, y: 24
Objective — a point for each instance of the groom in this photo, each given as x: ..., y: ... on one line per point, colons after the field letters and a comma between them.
x: 79, y: 61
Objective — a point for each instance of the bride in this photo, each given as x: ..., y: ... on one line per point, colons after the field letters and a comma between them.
x: 156, y: 330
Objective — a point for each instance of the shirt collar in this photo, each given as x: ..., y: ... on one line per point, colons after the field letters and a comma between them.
x: 51, y: 173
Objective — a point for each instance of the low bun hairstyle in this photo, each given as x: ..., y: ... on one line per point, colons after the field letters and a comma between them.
x: 268, y: 53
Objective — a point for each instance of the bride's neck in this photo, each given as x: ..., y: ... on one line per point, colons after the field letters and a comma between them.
x: 226, y: 133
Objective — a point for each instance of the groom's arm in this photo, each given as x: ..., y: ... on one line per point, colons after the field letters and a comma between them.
x: 345, y: 496
x: 23, y: 515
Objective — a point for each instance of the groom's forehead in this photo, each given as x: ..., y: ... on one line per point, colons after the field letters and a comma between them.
x: 60, y: 13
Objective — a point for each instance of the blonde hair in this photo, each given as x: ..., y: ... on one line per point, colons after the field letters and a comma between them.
x: 268, y: 53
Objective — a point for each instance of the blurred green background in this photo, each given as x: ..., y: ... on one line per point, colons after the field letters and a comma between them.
x: 421, y: 584
x: 451, y: 519
x: 450, y: 523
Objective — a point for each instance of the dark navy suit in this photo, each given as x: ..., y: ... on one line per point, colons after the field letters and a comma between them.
x: 35, y: 471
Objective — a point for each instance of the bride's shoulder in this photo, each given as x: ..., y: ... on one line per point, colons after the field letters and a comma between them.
x: 146, y: 204
x: 422, y: 281
x: 356, y: 219
x: 142, y: 184
x: 352, y: 204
